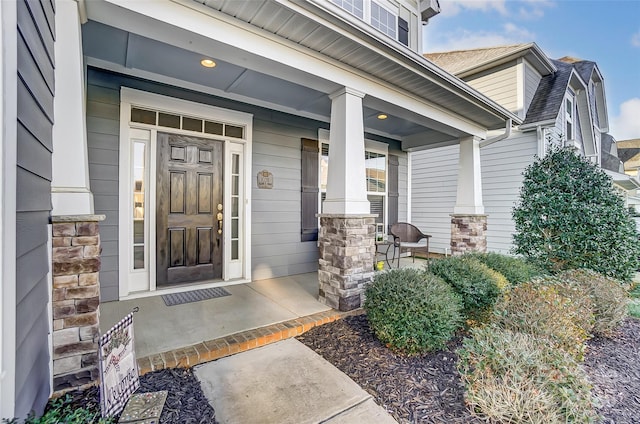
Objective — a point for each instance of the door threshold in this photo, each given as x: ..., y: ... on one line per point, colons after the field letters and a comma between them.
x: 185, y: 288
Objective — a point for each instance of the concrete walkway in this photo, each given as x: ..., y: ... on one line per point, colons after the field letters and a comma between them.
x: 285, y: 382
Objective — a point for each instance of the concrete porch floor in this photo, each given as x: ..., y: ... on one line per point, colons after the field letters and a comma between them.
x: 159, y: 328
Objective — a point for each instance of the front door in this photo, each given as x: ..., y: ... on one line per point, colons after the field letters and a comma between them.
x: 189, y: 239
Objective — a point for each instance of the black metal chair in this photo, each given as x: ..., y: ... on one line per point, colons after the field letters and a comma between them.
x: 407, y: 237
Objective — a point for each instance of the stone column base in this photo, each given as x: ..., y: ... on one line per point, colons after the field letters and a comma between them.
x: 76, y: 300
x: 468, y: 234
x: 347, y: 251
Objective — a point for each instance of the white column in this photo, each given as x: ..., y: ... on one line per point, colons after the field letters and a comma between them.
x: 346, y: 179
x: 469, y: 200
x: 70, y: 191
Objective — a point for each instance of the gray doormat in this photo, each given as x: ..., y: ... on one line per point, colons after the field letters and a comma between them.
x: 194, y: 296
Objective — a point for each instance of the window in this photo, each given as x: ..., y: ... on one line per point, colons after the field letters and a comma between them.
x: 380, y: 14
x: 376, y: 175
x: 569, y: 113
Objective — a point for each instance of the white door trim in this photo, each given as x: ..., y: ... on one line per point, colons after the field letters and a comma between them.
x: 158, y: 102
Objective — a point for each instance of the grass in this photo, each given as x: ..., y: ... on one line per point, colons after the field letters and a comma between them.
x: 634, y: 304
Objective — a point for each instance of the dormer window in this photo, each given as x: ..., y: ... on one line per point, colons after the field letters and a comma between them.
x: 380, y: 14
x: 569, y: 114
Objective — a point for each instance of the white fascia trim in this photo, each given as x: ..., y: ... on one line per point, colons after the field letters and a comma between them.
x: 8, y: 164
x: 520, y: 88
x: 210, y: 24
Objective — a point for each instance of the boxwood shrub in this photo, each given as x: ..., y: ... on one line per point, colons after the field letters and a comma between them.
x: 539, y: 309
x: 515, y: 269
x: 472, y: 280
x: 608, y: 297
x: 412, y: 311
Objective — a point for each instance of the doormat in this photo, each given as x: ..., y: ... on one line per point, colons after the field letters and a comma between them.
x: 194, y: 296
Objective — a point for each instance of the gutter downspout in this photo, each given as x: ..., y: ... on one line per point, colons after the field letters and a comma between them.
x: 506, y: 134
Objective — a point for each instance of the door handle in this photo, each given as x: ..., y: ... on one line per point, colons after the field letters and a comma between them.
x: 219, y: 218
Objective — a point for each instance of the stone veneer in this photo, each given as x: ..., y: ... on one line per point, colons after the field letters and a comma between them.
x: 76, y: 300
x: 468, y: 233
x: 347, y: 251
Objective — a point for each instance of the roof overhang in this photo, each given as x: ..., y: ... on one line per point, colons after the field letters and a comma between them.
x: 531, y: 52
x: 623, y: 180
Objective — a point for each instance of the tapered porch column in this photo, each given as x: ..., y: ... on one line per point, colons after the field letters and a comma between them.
x: 468, y: 222
x: 346, y: 236
x: 70, y: 191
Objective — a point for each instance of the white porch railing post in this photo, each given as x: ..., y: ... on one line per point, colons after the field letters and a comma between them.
x: 70, y: 191
x: 346, y: 180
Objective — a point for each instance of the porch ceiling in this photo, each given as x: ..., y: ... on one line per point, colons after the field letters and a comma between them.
x: 119, y: 40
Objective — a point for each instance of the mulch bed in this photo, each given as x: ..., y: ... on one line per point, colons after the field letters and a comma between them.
x: 425, y: 389
x: 185, y: 402
x: 428, y: 389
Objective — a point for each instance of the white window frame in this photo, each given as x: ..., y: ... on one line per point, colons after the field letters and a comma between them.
x: 390, y: 6
x: 234, y: 272
x: 569, y: 115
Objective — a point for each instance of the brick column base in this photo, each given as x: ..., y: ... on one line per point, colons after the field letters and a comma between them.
x: 468, y: 234
x: 347, y: 251
x: 76, y: 300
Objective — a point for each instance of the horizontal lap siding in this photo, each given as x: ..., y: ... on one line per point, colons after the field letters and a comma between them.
x: 531, y: 81
x: 434, y: 178
x: 277, y: 216
x: 502, y: 166
x: 499, y: 84
x: 33, y: 202
x: 103, y: 128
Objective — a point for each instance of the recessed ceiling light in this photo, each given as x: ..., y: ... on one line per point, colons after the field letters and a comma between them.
x: 382, y: 116
x: 207, y: 63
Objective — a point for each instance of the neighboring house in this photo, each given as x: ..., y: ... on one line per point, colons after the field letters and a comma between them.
x: 560, y: 102
x: 629, y: 153
x: 199, y: 130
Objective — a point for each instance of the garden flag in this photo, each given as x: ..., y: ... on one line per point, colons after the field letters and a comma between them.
x: 118, y: 367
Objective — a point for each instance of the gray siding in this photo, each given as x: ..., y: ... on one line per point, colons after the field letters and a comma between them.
x: 33, y: 202
x: 434, y: 188
x: 531, y: 81
x: 403, y: 185
x: 499, y: 84
x: 502, y: 165
x: 434, y: 179
x: 276, y: 220
x: 276, y: 246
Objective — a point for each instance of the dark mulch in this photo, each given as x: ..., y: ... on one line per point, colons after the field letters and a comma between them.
x: 613, y: 366
x: 185, y: 403
x: 424, y: 389
x: 428, y: 389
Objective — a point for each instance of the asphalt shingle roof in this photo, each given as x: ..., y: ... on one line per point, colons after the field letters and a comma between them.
x: 547, y: 101
x: 458, y: 61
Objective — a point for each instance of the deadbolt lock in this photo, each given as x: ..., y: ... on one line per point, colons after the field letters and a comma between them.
x: 219, y: 206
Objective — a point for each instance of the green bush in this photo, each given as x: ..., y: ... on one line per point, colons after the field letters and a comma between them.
x: 569, y: 217
x: 607, y: 295
x: 62, y: 410
x: 515, y: 269
x: 411, y: 311
x: 540, y: 310
x: 581, y: 311
x: 513, y: 377
x: 473, y: 281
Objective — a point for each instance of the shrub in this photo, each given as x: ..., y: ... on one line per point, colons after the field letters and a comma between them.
x: 568, y: 216
x: 62, y: 410
x: 607, y: 295
x: 515, y: 269
x: 540, y: 310
x: 513, y: 377
x: 412, y: 311
x: 581, y: 312
x: 472, y: 280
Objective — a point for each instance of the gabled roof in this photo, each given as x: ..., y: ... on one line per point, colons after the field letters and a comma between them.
x: 549, y: 95
x: 466, y: 62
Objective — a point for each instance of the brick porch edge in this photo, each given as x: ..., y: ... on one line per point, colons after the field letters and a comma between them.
x: 239, y: 342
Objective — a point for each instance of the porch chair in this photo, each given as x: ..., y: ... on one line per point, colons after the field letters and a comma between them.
x: 408, y: 237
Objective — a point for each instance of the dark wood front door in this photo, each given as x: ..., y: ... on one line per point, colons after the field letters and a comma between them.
x: 188, y: 200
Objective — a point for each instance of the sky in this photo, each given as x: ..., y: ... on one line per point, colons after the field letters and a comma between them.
x: 605, y: 31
